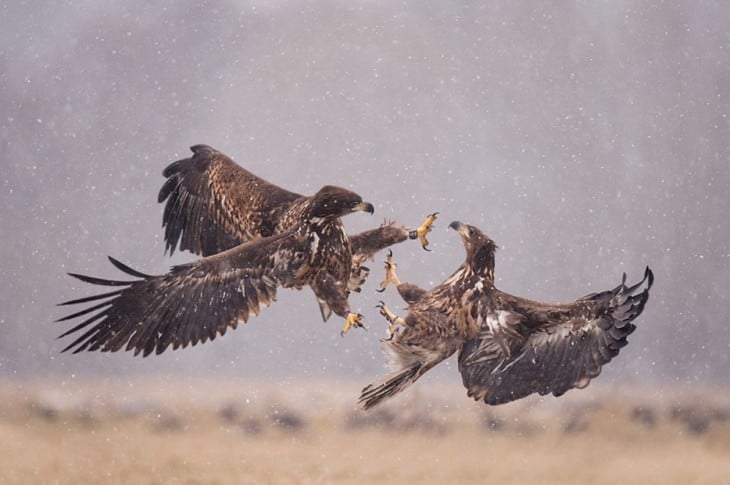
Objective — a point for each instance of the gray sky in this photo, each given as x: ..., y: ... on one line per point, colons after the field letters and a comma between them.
x: 587, y: 138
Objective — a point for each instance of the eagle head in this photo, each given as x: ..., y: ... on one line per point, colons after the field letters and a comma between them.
x: 331, y: 201
x: 479, y: 247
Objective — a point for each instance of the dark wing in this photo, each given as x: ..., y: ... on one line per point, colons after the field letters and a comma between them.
x: 213, y: 204
x: 192, y: 303
x: 525, y: 347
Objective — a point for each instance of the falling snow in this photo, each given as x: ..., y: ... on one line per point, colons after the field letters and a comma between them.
x: 588, y: 140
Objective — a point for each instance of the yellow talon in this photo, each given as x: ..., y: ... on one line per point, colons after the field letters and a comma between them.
x: 393, y: 319
x: 353, y: 320
x: 425, y: 228
x: 390, y: 276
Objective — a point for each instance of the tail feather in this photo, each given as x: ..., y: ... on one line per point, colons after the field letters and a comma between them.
x: 389, y: 385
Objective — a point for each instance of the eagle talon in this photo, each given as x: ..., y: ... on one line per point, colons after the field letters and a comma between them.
x: 424, y: 229
x: 353, y: 320
x: 390, y: 276
x: 392, y: 318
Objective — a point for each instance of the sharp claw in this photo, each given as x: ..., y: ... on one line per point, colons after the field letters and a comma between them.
x: 389, y: 259
x: 392, y: 329
x: 425, y: 228
x: 390, y: 276
x: 392, y: 319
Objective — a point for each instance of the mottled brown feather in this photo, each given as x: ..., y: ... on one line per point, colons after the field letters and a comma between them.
x: 196, y: 302
x: 213, y: 204
x: 236, y: 220
x: 509, y: 347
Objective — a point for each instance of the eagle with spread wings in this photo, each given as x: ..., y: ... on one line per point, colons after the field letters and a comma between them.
x: 254, y: 238
x: 509, y: 347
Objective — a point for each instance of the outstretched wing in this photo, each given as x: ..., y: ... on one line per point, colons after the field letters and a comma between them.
x: 213, y: 204
x: 525, y: 347
x: 192, y: 303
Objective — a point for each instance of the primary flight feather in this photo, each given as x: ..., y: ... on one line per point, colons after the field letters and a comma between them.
x: 508, y: 346
x: 254, y: 238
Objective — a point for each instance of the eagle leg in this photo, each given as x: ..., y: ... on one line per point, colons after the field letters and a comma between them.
x: 424, y: 229
x: 392, y: 318
x: 390, y: 276
x: 353, y: 320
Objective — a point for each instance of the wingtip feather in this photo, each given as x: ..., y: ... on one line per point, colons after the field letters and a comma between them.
x: 649, y: 275
x: 99, y: 281
x: 201, y: 148
x: 171, y: 169
x: 126, y: 269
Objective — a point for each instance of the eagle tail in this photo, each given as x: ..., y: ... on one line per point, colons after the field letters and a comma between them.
x: 390, y: 385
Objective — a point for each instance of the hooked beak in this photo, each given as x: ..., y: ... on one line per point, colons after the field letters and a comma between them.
x: 364, y: 207
x: 461, y: 228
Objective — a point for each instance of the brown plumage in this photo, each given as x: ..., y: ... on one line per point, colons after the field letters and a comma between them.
x: 509, y: 347
x: 213, y: 204
x: 254, y: 236
x: 196, y: 302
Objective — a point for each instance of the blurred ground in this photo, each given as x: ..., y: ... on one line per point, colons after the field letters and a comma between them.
x: 156, y: 431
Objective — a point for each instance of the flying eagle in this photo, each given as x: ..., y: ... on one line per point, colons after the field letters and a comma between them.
x: 255, y: 237
x: 509, y: 347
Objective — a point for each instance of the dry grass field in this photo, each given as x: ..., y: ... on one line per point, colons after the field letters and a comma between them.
x: 142, y: 431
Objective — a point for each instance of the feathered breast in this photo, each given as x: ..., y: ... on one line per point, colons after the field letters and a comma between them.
x: 460, y: 298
